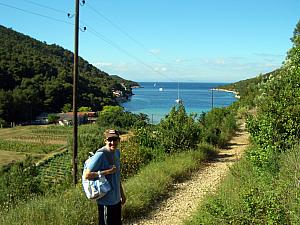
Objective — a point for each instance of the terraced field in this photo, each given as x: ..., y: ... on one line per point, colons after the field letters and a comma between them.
x: 57, y: 169
x: 36, y: 141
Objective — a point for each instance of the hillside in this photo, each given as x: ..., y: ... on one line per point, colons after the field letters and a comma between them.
x: 34, y: 76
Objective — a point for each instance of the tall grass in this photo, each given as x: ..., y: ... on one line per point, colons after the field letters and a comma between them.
x: 250, y: 197
x: 142, y: 190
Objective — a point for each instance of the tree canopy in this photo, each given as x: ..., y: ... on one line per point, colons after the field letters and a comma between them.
x: 36, y: 77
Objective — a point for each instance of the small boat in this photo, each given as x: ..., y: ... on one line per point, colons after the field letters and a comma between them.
x: 160, y: 89
x: 178, y: 100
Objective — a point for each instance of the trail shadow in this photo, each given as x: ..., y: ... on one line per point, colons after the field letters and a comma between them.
x: 232, y: 145
x: 224, y: 158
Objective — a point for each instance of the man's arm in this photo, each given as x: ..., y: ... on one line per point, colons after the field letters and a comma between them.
x: 89, y: 175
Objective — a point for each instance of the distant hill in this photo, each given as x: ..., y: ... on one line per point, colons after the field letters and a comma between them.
x: 36, y: 77
x: 248, y: 89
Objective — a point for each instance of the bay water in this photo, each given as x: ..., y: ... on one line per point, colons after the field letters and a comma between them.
x: 157, y: 98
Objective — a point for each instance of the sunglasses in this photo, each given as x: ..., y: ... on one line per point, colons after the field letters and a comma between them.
x: 111, y: 139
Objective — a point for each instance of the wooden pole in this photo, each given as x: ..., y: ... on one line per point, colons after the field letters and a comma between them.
x: 212, y: 98
x: 75, y: 81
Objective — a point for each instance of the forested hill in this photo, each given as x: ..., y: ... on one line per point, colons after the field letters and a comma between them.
x: 36, y: 77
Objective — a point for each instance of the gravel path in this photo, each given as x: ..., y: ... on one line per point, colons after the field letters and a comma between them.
x: 187, y: 195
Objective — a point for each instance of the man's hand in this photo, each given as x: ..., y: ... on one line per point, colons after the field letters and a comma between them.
x: 112, y: 170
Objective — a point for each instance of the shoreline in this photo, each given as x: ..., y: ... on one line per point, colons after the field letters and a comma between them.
x: 225, y: 90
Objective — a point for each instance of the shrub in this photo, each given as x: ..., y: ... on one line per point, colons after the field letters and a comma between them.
x: 178, y: 131
x: 115, y: 116
x: 132, y: 158
x: 217, y: 126
x: 19, y: 183
x: 53, y: 118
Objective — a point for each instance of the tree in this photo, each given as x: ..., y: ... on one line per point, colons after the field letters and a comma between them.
x: 296, y: 35
x: 84, y: 109
x: 178, y: 131
x: 53, y: 118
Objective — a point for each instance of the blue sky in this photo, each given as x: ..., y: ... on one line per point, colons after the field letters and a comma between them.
x: 166, y: 40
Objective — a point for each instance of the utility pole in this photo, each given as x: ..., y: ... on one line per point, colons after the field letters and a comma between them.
x: 212, y: 98
x: 75, y: 81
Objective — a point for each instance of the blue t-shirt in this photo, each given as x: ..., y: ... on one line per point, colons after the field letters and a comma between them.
x: 100, y: 162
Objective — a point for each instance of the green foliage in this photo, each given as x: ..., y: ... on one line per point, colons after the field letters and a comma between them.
x: 133, y: 157
x: 153, y: 181
x: 245, y: 197
x: 142, y: 190
x: 67, y: 108
x: 84, y: 109
x: 90, y: 138
x: 64, y: 208
x: 296, y: 35
x: 34, y: 76
x: 147, y: 136
x: 288, y: 183
x: 276, y: 127
x: 264, y: 187
x: 28, y: 147
x: 53, y: 118
x: 19, y: 183
x: 55, y: 173
x: 116, y: 117
x: 217, y: 126
x: 178, y: 131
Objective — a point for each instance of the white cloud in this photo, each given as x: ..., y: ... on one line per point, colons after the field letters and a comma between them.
x: 154, y: 51
x: 205, y: 69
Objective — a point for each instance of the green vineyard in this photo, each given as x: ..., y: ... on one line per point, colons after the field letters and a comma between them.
x: 56, y: 170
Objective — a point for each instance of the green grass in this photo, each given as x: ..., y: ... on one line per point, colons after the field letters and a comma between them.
x: 33, y: 140
x: 72, y: 207
x: 28, y: 147
x: 248, y: 196
x: 7, y: 157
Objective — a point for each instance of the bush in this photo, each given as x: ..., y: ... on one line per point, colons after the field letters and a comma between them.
x: 133, y: 157
x: 53, y: 118
x: 115, y: 116
x: 217, y: 126
x: 19, y: 183
x: 178, y: 131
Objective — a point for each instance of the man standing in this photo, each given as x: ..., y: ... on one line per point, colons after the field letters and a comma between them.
x: 107, y: 162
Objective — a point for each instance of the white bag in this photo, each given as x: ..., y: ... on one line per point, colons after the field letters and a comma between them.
x: 95, y: 189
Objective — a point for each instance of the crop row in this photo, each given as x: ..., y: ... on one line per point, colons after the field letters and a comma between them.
x: 40, y: 137
x: 52, y: 130
x: 28, y: 147
x: 56, y: 170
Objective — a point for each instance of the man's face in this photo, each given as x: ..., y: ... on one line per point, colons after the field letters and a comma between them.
x: 112, y: 143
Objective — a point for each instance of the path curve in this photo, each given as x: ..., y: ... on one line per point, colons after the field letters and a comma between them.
x: 187, y: 195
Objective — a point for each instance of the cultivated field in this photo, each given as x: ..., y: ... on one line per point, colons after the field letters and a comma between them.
x: 36, y: 141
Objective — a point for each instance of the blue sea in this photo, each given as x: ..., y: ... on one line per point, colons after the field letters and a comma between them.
x: 157, y: 99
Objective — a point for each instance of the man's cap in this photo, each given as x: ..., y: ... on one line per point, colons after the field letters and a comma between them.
x: 111, y: 133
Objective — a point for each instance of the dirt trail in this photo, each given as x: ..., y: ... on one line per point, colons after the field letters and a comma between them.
x: 187, y: 195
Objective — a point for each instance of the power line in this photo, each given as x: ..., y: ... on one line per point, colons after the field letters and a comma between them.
x: 91, y: 30
x: 124, y: 32
x: 102, y: 37
x: 47, y: 7
x: 36, y: 14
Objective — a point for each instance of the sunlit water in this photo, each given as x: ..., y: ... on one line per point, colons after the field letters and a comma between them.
x: 157, y: 99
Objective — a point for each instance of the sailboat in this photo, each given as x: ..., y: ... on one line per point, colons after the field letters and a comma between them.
x: 178, y: 100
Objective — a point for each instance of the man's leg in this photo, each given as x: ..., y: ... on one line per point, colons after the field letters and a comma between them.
x: 110, y: 215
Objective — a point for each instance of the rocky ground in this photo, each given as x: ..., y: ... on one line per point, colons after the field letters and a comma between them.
x: 187, y: 195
